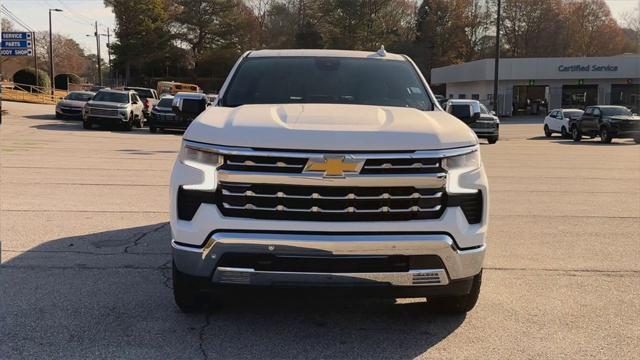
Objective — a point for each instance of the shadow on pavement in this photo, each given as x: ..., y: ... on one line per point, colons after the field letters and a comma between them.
x: 587, y: 142
x: 74, y: 125
x: 108, y: 294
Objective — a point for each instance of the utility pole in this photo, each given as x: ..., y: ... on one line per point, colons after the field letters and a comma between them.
x: 497, y: 62
x: 51, y: 78
x: 98, y: 59
x: 109, y: 53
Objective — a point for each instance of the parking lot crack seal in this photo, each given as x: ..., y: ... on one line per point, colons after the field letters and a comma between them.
x: 201, y: 335
x: 141, y: 236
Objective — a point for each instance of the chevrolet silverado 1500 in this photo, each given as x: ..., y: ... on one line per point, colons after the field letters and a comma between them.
x: 330, y: 169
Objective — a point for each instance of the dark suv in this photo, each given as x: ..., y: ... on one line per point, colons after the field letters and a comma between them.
x: 607, y: 122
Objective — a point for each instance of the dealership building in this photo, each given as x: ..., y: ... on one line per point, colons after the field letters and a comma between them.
x: 535, y: 85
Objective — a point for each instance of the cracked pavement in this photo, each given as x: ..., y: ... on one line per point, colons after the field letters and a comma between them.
x: 86, y: 268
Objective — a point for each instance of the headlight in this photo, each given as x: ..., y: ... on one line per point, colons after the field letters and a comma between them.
x: 463, y: 163
x: 464, y: 173
x: 205, y: 162
x: 191, y: 156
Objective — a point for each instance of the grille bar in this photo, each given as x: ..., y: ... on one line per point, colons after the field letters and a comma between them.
x: 279, y: 164
x: 315, y: 195
x: 316, y: 209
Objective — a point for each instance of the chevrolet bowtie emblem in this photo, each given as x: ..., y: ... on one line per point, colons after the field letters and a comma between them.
x: 333, y: 165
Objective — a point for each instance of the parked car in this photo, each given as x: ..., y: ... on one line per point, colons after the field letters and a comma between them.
x: 114, y: 107
x: 607, y: 122
x: 352, y: 179
x: 557, y: 121
x: 186, y: 106
x: 148, y: 96
x: 96, y: 88
x: 162, y: 115
x: 72, y: 104
x: 483, y: 122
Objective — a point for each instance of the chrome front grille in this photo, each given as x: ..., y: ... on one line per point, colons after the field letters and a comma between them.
x: 103, y: 112
x: 264, y: 164
x: 329, y: 203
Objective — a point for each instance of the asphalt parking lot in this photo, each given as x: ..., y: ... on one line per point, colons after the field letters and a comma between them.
x: 86, y: 259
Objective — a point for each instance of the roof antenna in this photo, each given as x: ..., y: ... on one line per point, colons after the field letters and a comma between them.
x: 382, y: 52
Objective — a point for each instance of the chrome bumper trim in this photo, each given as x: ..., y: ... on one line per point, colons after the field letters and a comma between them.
x: 244, y: 276
x: 202, y: 261
x: 437, y: 180
x: 243, y: 151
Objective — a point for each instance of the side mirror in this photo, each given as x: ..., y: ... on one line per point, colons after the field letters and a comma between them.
x: 134, y: 102
x: 475, y: 116
x: 492, y: 112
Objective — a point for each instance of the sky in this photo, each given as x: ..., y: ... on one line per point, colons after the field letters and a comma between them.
x: 78, y: 17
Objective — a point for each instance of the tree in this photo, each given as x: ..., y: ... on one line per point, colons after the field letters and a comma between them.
x: 142, y: 30
x: 531, y: 27
x: 591, y: 30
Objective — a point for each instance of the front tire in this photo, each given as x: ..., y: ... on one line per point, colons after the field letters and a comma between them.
x: 186, y: 292
x: 605, y: 136
x: 492, y: 139
x: 547, y: 131
x: 457, y: 304
x: 564, y: 132
x: 129, y: 124
x: 576, y: 135
x: 86, y: 124
x: 637, y: 139
x: 153, y: 129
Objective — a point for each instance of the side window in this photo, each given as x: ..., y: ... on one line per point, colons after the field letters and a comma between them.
x: 131, y: 98
x: 553, y: 114
x: 559, y: 115
x: 596, y: 112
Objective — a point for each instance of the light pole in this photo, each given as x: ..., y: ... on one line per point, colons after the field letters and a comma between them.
x: 53, y: 84
x: 497, y: 62
x: 97, y: 35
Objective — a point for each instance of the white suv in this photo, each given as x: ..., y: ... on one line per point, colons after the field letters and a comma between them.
x: 329, y: 169
x: 558, y: 121
x: 114, y: 107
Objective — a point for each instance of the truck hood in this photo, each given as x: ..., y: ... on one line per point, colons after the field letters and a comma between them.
x: 625, y: 117
x: 107, y: 104
x: 330, y: 127
x: 72, y: 103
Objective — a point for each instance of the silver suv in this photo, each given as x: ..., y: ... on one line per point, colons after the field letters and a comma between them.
x: 114, y: 108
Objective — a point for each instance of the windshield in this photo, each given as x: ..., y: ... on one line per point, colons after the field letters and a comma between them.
x: 572, y: 114
x: 166, y: 102
x: 143, y: 93
x: 79, y: 96
x: 483, y: 109
x: 284, y: 80
x: 612, y: 111
x: 111, y: 97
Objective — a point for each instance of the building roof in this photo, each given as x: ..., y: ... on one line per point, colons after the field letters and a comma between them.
x: 326, y: 53
x: 604, y: 67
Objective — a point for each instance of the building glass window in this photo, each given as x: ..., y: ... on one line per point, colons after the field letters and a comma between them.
x: 475, y: 96
x: 462, y: 96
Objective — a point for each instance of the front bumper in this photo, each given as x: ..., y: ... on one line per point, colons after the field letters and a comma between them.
x: 625, y: 133
x: 169, y: 121
x: 203, y: 262
x: 70, y: 112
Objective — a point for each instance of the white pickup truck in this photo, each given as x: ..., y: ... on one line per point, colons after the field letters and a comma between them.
x: 332, y: 170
